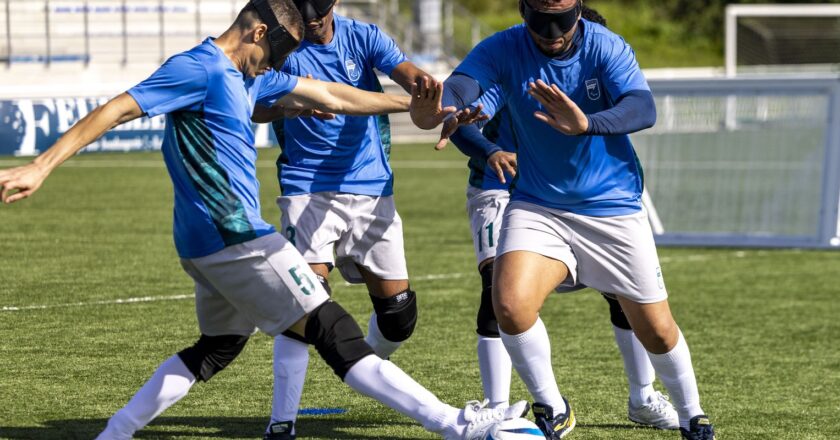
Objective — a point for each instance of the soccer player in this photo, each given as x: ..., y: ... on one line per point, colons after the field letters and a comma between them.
x: 336, y: 187
x: 246, y: 275
x: 574, y: 92
x: 488, y: 194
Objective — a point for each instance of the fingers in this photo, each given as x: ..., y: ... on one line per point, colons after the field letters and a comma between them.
x: 543, y: 117
x: 510, y: 167
x: 442, y: 143
x: 17, y: 196
x: 500, y: 173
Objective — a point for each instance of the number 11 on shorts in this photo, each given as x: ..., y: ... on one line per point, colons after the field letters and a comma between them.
x: 490, y: 243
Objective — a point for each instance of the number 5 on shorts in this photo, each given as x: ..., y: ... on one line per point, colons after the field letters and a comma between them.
x: 302, y: 279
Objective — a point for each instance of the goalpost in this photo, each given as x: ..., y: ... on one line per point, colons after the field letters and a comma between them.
x: 782, y: 38
x: 764, y: 172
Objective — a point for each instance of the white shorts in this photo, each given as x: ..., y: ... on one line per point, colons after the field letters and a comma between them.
x: 262, y: 283
x: 486, y: 209
x: 346, y: 230
x: 615, y: 255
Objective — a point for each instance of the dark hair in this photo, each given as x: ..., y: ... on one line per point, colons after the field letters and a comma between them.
x: 285, y: 10
x: 593, y: 16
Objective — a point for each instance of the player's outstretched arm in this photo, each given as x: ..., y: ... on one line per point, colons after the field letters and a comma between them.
x: 263, y: 114
x: 427, y: 111
x: 21, y: 182
x: 341, y: 99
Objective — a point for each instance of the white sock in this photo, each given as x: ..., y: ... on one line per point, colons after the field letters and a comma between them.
x: 676, y: 373
x: 381, y: 346
x: 530, y: 354
x: 637, y: 366
x: 495, y: 367
x: 168, y: 384
x: 386, y: 383
x: 291, y: 358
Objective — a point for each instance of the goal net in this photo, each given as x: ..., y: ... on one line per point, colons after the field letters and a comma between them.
x: 744, y: 162
x: 782, y: 38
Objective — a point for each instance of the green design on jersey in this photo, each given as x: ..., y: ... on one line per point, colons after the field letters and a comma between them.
x: 383, y: 122
x: 198, y: 154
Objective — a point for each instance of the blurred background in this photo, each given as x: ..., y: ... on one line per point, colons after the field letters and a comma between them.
x: 746, y: 151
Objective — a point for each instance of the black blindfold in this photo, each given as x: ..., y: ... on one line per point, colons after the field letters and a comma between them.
x: 312, y: 10
x: 550, y: 25
x: 282, y: 43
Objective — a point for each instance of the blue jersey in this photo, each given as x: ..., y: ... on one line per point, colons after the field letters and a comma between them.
x: 499, y: 130
x: 349, y: 153
x: 589, y: 175
x: 208, y: 145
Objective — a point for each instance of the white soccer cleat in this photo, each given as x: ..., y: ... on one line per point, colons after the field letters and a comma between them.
x: 658, y: 412
x: 480, y: 419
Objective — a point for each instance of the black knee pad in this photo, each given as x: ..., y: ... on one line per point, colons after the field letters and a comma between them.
x: 324, y: 282
x: 396, y: 316
x: 337, y: 337
x: 292, y: 335
x: 485, y: 323
x: 616, y: 313
x: 212, y: 354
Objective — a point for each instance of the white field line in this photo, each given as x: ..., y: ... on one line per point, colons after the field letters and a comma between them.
x: 430, y: 277
x: 125, y: 163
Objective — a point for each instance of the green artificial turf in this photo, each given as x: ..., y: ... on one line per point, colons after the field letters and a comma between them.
x: 762, y: 325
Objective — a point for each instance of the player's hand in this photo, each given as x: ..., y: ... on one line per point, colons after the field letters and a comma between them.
x: 451, y: 123
x: 561, y: 112
x: 503, y: 162
x: 19, y: 183
x: 426, y: 101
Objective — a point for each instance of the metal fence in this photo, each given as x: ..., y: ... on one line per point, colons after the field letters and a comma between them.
x: 108, y: 31
x: 744, y: 162
x: 148, y: 31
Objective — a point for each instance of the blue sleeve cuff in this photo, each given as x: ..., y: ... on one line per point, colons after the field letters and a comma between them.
x: 634, y: 111
x: 472, y: 143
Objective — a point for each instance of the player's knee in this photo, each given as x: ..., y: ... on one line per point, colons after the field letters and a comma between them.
x: 396, y: 316
x: 212, y: 354
x: 617, y: 316
x: 486, y: 324
x: 336, y: 337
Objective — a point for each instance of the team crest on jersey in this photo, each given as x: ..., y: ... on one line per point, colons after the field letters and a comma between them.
x: 353, y: 69
x: 593, y: 89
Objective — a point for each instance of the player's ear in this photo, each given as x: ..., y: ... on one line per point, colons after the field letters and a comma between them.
x: 260, y: 32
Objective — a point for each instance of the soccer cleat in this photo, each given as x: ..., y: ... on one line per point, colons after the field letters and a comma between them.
x: 554, y: 426
x: 480, y: 419
x: 658, y: 412
x: 280, y: 431
x: 699, y: 428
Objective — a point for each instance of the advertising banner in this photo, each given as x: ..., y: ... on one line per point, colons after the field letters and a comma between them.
x: 30, y: 126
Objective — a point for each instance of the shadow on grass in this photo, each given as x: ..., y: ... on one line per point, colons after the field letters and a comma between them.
x: 209, y: 427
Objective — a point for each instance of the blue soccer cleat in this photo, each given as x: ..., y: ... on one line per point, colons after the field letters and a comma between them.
x: 554, y: 426
x: 699, y: 428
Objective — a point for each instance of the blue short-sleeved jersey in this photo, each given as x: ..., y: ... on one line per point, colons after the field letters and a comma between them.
x: 499, y: 130
x: 208, y: 145
x: 349, y: 153
x: 589, y: 175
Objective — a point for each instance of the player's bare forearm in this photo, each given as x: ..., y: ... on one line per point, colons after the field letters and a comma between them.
x: 342, y: 99
x: 118, y: 110
x: 407, y: 74
x: 21, y: 182
x: 263, y: 114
